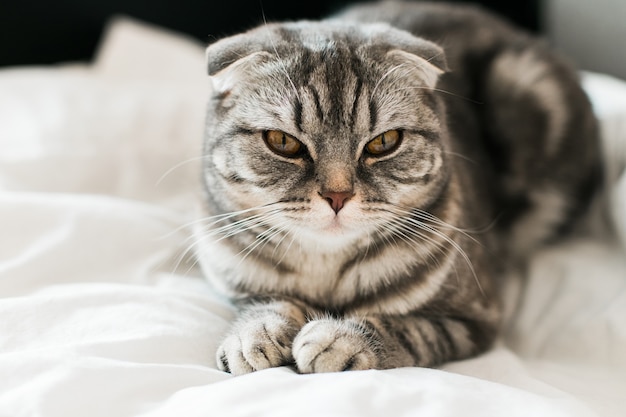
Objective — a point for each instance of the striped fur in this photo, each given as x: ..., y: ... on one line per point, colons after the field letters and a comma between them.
x: 405, y: 272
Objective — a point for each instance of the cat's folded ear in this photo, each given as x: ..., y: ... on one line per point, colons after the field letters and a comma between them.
x: 228, y: 58
x: 228, y: 51
x: 402, y: 48
x: 427, y: 58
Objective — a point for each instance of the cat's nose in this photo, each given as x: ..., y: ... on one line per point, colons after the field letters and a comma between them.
x: 337, y: 199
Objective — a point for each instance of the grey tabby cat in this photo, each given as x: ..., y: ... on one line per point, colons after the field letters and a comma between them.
x: 369, y: 177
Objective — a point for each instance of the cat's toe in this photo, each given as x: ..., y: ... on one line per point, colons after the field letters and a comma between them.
x: 253, y: 347
x: 333, y: 346
x: 230, y: 357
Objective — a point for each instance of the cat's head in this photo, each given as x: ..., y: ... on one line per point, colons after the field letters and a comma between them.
x: 331, y: 129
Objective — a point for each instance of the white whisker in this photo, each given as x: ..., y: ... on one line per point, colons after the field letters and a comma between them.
x: 268, y: 213
x: 184, y: 255
x: 293, y: 237
x: 458, y: 155
x: 178, y: 165
x: 425, y: 216
x: 221, y: 217
x: 414, y: 220
x: 439, y: 90
x: 283, y: 67
x: 438, y: 246
x: 385, y: 75
x: 411, y: 233
x: 244, y: 225
x: 389, y: 237
x: 261, y: 240
x: 456, y: 246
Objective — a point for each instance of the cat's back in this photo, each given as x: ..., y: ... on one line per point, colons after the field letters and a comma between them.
x: 461, y: 29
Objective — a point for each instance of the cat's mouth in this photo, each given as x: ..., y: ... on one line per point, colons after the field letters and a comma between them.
x: 324, y: 222
x: 340, y: 225
x: 335, y: 226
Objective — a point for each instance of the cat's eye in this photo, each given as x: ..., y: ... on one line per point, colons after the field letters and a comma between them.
x: 384, y: 143
x: 283, y: 143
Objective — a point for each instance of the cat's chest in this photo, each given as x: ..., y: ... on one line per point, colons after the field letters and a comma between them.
x: 317, y: 277
x: 355, y: 277
x: 299, y: 271
x: 329, y: 278
x: 317, y: 274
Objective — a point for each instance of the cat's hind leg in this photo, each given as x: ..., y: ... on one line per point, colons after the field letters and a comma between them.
x: 542, y: 139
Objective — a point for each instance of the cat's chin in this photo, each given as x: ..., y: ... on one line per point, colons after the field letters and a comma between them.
x: 334, y: 235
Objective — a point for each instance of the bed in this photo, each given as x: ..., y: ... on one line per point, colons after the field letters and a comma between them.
x: 103, y: 312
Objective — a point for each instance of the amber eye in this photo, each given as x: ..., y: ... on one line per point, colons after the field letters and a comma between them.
x: 282, y: 143
x: 385, y: 143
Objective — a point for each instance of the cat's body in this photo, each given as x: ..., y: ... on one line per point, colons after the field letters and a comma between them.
x: 365, y: 190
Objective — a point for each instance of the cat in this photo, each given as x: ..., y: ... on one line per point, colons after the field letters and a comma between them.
x: 370, y: 176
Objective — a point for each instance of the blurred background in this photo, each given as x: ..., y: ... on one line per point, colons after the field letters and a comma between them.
x: 36, y: 32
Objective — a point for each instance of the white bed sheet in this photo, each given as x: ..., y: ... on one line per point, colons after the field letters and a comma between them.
x: 101, y: 315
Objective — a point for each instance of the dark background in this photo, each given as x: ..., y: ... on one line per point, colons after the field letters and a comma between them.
x: 52, y: 31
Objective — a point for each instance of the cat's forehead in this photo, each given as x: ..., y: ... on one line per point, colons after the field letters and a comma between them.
x: 320, y: 36
x: 372, y: 43
x: 324, y: 78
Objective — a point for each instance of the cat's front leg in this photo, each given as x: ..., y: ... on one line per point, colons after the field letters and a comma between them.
x: 261, y: 337
x: 382, y: 342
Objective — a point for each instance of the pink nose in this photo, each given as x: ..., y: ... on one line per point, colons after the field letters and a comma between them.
x: 336, y: 199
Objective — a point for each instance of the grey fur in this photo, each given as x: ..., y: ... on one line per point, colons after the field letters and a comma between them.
x: 498, y: 154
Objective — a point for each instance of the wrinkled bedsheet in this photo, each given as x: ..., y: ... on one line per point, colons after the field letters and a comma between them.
x: 103, y: 313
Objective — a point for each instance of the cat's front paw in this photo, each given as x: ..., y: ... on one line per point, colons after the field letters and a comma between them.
x: 331, y: 345
x: 259, y: 343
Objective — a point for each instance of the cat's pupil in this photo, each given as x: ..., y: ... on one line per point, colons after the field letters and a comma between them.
x: 282, y: 143
x: 384, y: 143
